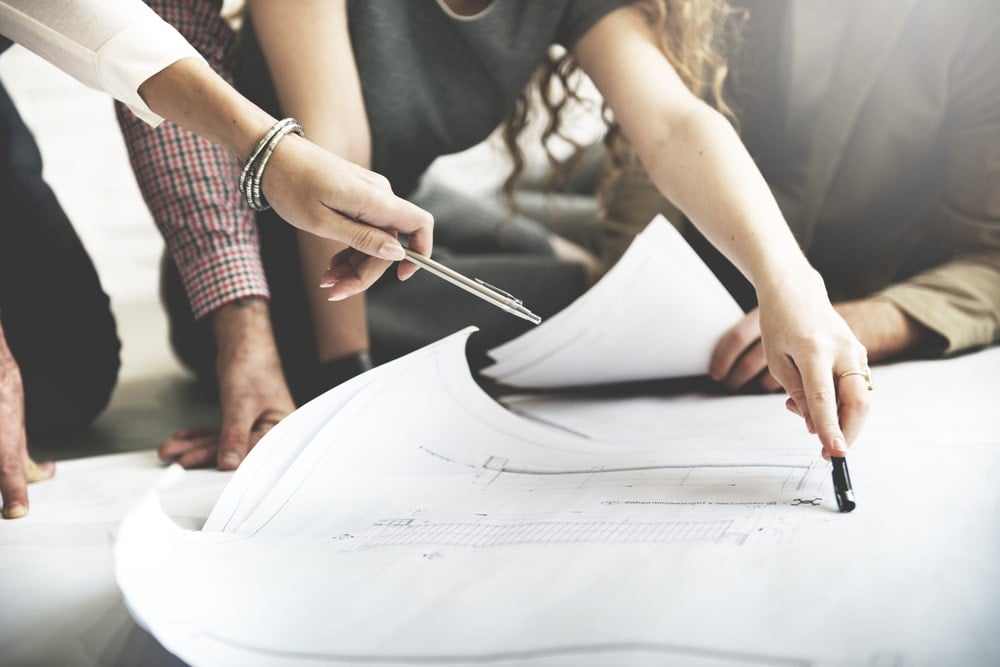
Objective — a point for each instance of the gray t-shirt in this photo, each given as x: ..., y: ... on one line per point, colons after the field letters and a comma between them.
x: 435, y: 83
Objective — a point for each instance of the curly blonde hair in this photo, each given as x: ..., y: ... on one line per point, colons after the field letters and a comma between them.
x: 694, y: 35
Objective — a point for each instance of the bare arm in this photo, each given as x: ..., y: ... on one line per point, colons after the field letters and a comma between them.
x: 696, y: 160
x: 309, y: 187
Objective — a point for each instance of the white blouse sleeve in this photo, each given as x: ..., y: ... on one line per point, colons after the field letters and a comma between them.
x: 113, y: 46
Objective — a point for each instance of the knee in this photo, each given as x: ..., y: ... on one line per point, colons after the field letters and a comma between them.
x: 71, y: 390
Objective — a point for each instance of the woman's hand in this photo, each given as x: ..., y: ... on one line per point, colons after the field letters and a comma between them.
x: 809, y: 348
x: 311, y: 188
x: 328, y: 196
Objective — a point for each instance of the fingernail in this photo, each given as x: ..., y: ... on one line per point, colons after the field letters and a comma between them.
x: 230, y: 459
x: 337, y: 297
x: 327, y: 284
x: 15, y: 510
x: 839, y: 446
x: 391, y: 250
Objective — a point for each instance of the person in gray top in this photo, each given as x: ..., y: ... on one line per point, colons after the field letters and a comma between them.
x: 393, y: 85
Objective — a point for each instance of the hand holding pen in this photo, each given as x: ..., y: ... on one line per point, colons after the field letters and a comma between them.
x: 475, y: 286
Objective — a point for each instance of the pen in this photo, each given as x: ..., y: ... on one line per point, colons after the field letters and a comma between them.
x: 479, y: 288
x: 842, y: 484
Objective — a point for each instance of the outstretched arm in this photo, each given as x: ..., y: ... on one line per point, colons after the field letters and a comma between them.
x: 127, y: 50
x: 696, y: 160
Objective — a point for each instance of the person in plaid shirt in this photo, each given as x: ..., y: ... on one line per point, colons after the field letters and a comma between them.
x: 49, y: 379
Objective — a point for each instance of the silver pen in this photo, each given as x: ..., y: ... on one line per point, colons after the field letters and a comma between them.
x: 480, y: 288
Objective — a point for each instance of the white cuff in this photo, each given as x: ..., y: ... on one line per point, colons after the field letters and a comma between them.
x: 131, y: 56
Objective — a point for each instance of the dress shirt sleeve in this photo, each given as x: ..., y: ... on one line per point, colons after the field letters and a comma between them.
x: 110, y: 46
x: 190, y: 184
x: 960, y: 299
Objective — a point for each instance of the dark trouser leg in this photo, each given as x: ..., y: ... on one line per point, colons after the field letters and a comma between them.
x: 56, y: 317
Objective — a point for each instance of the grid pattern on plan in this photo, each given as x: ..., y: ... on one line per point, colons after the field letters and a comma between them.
x: 481, y: 534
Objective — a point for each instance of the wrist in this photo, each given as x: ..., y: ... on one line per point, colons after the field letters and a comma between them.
x: 240, y: 326
x: 780, y: 280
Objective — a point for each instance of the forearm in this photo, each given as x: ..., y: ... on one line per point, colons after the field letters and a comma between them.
x: 189, y: 185
x: 706, y: 172
x: 884, y: 329
x: 690, y: 151
x: 243, y: 327
x: 308, y: 52
x: 190, y: 94
x: 958, y: 302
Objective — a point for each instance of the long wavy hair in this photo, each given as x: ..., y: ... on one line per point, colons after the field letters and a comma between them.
x: 694, y: 35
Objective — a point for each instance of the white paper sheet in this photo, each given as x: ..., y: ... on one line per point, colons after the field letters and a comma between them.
x: 425, y: 524
x: 59, y: 604
x: 657, y: 313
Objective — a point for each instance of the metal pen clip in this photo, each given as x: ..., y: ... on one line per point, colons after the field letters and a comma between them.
x: 499, y: 291
x: 480, y: 288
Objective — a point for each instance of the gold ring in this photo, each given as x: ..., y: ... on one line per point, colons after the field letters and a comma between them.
x: 865, y: 372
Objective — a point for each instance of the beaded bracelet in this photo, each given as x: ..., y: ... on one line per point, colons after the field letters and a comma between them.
x: 253, y: 170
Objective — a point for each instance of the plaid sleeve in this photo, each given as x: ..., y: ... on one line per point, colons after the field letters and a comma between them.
x: 190, y: 184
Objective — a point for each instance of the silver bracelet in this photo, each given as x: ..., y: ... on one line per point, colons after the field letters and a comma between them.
x: 253, y: 170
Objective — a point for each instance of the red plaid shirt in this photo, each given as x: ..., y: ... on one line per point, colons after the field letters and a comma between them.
x: 190, y: 184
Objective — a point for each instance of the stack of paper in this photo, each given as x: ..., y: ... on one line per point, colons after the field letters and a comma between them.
x: 658, y: 313
x: 371, y: 523
x: 406, y: 518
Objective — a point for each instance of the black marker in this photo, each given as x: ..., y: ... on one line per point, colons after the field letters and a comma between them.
x: 842, y: 484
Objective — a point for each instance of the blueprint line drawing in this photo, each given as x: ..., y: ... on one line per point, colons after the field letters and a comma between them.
x: 454, y: 532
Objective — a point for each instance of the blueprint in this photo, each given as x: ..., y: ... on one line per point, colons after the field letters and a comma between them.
x: 407, y: 518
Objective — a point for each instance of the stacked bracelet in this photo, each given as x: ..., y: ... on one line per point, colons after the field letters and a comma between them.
x: 253, y: 171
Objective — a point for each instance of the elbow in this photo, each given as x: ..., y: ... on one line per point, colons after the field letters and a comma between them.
x: 681, y: 129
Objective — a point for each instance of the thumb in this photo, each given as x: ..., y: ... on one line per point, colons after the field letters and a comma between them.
x: 234, y: 440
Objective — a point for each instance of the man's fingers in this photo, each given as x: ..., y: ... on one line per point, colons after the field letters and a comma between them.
x: 13, y: 487
x: 189, y: 432
x: 732, y: 345
x: 185, y: 440
x: 749, y: 366
x: 265, y: 422
x: 239, y: 436
x: 199, y: 457
x: 770, y: 383
x: 234, y: 440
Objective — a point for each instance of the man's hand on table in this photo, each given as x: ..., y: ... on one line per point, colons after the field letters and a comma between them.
x: 738, y: 360
x: 17, y: 469
x: 885, y: 331
x: 253, y: 392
